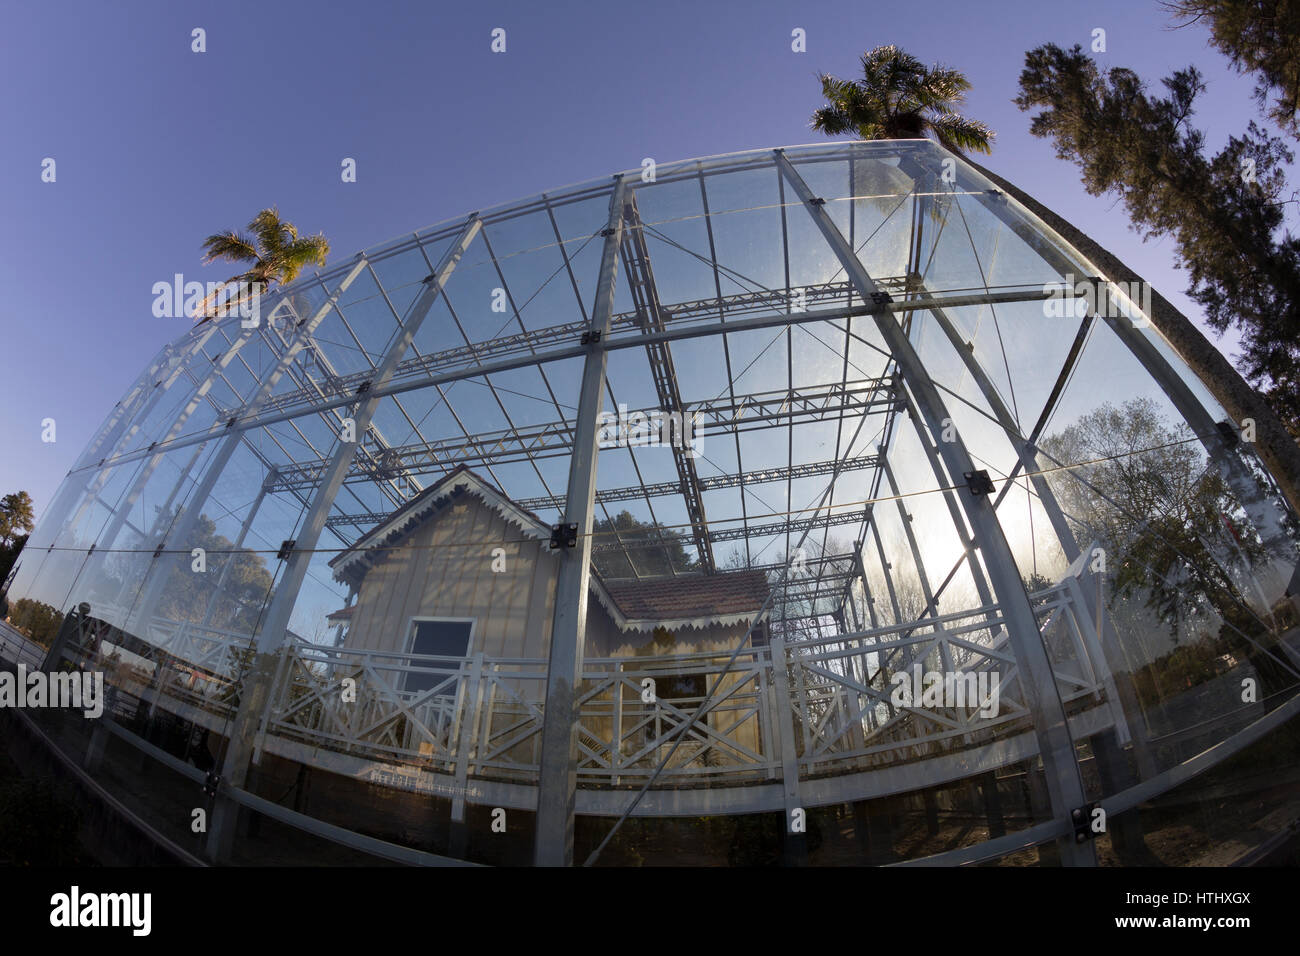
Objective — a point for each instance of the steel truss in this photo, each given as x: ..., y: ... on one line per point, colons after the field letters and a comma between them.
x: 750, y: 412
x: 831, y: 652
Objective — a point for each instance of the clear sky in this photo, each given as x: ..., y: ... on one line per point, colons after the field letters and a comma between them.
x: 157, y: 146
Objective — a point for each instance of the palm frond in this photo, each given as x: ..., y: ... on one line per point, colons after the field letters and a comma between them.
x: 274, y: 253
x: 831, y: 121
x: 272, y: 232
x: 960, y: 134
x: 899, y: 97
x: 942, y: 89
x: 300, y: 253
x: 229, y: 245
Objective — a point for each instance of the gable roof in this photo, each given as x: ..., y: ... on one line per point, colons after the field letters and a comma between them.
x: 351, y: 566
x: 688, y: 601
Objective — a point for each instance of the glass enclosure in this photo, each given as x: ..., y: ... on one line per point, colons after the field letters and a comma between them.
x: 816, y: 505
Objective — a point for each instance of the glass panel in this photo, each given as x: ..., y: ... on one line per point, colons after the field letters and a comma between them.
x: 792, y: 643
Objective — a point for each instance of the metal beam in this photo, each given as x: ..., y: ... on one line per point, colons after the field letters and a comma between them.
x: 1042, y: 697
x: 276, y: 620
x: 650, y: 319
x: 554, y: 439
x: 187, y: 520
x: 367, y: 519
x: 791, y: 525
x: 258, y: 680
x: 426, y: 379
x: 558, y: 776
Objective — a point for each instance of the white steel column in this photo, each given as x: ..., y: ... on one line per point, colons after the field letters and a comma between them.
x: 271, y: 634
x: 259, y: 680
x: 1042, y: 698
x: 779, y: 702
x: 185, y: 523
x: 558, y: 777
x: 1045, y: 241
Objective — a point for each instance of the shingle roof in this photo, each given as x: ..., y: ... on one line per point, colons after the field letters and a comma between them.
x: 702, y: 596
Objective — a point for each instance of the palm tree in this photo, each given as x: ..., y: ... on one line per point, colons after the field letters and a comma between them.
x: 899, y: 97
x: 274, y: 249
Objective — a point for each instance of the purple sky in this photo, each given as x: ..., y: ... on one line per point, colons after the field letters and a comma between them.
x: 156, y: 146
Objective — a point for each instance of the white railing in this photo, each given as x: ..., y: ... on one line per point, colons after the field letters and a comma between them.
x: 15, y: 648
x: 828, y: 701
x: 482, y: 716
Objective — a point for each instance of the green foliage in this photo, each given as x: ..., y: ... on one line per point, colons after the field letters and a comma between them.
x: 16, y: 517
x: 651, y: 550
x: 238, y: 604
x: 1222, y: 211
x: 1170, y: 527
x: 1187, y: 666
x: 1261, y: 37
x: 274, y: 250
x: 9, y: 555
x: 37, y: 620
x: 898, y: 97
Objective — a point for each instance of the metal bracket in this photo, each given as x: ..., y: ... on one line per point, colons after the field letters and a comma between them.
x: 363, y: 388
x: 1228, y: 432
x: 995, y: 193
x: 212, y: 783
x: 563, y: 536
x: 817, y: 201
x: 230, y: 422
x: 1081, y: 818
x: 979, y: 482
x: 286, y: 548
x: 606, y: 232
x: 591, y: 336
x: 881, y: 298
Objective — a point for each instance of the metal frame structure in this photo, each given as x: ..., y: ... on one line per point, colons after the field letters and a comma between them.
x: 872, y: 332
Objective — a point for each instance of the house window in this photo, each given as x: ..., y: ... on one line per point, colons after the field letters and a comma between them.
x: 441, y: 637
x: 682, y: 686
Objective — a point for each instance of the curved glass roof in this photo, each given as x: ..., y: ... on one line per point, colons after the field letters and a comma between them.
x: 824, y: 363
